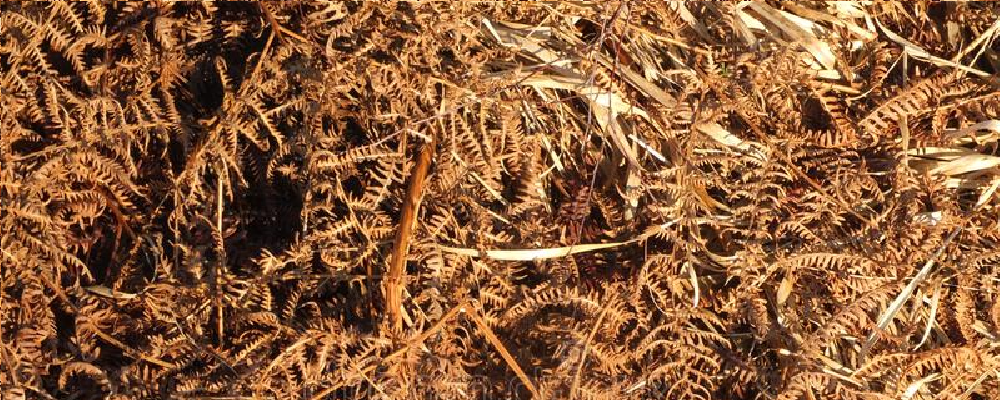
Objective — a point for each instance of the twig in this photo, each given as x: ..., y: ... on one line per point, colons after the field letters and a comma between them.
x: 401, y: 246
x: 132, y: 352
x: 507, y: 357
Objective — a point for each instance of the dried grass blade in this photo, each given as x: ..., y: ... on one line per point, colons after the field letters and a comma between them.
x: 965, y: 164
x: 940, y: 153
x: 529, y: 40
x: 963, y: 135
x: 988, y: 193
x: 798, y: 29
x: 897, y: 303
x: 986, y: 36
x: 915, y: 387
x: 726, y: 138
x: 918, y: 52
x: 606, y: 106
x: 835, y: 20
x: 531, y: 254
x: 105, y: 291
x: 935, y: 301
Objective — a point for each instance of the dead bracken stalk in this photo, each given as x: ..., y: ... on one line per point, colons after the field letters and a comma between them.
x: 395, y: 276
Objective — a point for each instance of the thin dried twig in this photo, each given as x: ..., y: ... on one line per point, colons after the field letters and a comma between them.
x: 492, y: 338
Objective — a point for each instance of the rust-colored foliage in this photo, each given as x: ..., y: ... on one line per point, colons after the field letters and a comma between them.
x: 624, y: 199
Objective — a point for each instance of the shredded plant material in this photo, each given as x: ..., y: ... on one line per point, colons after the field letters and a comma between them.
x: 468, y: 200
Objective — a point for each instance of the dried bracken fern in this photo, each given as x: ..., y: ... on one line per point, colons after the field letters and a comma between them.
x: 626, y: 199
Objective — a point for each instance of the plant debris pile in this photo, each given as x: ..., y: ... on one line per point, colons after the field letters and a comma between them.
x: 551, y: 200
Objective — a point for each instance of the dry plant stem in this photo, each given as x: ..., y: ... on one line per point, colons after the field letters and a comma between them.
x: 904, y: 125
x: 507, y: 357
x: 8, y: 364
x: 128, y: 350
x: 897, y: 304
x: 397, y: 264
x: 979, y: 381
x: 276, y: 29
x: 263, y: 53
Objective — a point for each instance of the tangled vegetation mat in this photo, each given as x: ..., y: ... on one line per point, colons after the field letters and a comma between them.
x: 545, y: 200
